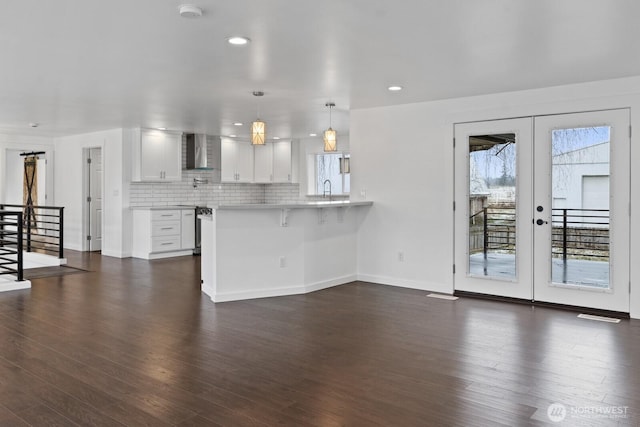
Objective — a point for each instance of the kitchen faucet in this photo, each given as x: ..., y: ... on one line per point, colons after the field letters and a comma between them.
x: 324, y: 188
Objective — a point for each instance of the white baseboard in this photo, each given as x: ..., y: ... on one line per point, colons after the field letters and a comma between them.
x: 115, y: 254
x: 404, y: 283
x: 260, y: 293
x: 278, y: 292
x: 312, y: 287
x: 160, y: 255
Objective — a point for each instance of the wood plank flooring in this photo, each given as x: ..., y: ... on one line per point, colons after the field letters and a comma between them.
x: 135, y: 343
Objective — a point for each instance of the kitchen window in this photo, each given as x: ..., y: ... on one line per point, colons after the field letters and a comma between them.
x: 334, y: 167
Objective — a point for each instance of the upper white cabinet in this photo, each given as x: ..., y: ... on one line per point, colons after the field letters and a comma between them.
x: 282, y: 161
x: 263, y: 163
x: 272, y: 162
x: 236, y: 161
x: 157, y: 155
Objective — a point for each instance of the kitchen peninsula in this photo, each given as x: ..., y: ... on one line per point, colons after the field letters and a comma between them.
x: 264, y: 250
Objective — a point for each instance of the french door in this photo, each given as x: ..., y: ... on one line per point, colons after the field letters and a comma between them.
x: 542, y: 208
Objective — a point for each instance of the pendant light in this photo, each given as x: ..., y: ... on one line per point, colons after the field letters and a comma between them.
x: 330, y: 139
x: 258, y: 127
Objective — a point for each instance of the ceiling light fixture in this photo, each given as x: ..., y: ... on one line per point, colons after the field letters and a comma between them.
x: 232, y: 136
x: 190, y: 11
x: 161, y: 128
x: 313, y: 134
x: 330, y: 138
x: 33, y: 125
x: 238, y: 40
x: 276, y: 137
x: 238, y: 124
x: 394, y: 88
x: 258, y: 127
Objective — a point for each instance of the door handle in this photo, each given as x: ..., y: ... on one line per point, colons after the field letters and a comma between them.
x: 541, y: 222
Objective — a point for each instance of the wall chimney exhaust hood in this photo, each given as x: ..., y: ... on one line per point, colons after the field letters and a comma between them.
x: 197, y: 151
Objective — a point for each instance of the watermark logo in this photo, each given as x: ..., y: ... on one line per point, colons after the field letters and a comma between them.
x: 557, y: 412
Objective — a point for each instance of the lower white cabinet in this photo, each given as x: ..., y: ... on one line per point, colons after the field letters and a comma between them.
x: 162, y: 233
x: 188, y: 229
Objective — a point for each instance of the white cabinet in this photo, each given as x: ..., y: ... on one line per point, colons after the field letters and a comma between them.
x: 157, y: 155
x: 236, y: 161
x: 282, y: 161
x: 188, y: 229
x: 263, y: 163
x: 272, y: 162
x: 161, y: 233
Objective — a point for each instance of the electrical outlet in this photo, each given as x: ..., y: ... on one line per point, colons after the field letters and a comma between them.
x: 283, y: 262
x: 401, y: 256
x: 363, y: 194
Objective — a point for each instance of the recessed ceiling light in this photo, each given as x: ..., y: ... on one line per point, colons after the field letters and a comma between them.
x: 161, y: 128
x: 238, y: 40
x: 313, y: 134
x: 276, y: 137
x: 190, y: 11
x: 394, y: 88
x: 232, y: 136
x: 33, y: 125
x: 238, y: 124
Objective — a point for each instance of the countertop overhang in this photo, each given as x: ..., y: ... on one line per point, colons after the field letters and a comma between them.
x: 303, y: 205
x: 258, y: 206
x: 168, y: 207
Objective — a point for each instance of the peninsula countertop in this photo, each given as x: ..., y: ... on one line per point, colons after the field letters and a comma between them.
x: 295, y: 205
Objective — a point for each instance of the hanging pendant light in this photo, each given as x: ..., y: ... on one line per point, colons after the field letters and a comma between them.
x: 330, y: 138
x: 258, y: 127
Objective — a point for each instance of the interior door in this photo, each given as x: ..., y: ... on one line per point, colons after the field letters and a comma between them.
x: 95, y: 197
x: 493, y: 229
x: 582, y: 194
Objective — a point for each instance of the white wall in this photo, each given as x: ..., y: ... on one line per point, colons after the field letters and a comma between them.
x: 402, y: 159
x: 69, y: 189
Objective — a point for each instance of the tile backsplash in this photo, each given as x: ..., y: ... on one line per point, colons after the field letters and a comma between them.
x: 186, y: 192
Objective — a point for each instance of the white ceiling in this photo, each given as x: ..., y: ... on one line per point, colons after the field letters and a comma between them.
x: 76, y: 66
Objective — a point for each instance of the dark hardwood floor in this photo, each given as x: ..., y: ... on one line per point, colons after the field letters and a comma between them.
x: 135, y: 343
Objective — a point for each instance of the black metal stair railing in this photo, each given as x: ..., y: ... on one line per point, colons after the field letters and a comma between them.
x: 11, y: 262
x: 42, y: 227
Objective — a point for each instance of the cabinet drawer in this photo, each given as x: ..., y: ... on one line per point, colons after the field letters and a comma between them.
x: 164, y: 215
x: 165, y: 228
x: 162, y: 244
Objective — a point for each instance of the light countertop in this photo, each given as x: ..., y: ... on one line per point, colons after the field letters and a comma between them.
x: 165, y: 208
x: 299, y: 205
x: 256, y: 206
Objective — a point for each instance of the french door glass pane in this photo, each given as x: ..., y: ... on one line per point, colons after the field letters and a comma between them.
x: 492, y: 205
x: 580, y: 210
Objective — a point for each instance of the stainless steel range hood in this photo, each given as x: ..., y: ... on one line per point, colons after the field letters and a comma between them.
x: 197, y: 151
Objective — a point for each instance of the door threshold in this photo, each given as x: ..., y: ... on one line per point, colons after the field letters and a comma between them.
x: 565, y: 307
